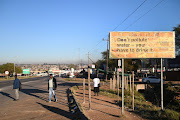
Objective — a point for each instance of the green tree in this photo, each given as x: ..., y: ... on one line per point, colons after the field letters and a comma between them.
x: 130, y: 64
x: 72, y: 66
x: 177, y: 39
x: 10, y: 67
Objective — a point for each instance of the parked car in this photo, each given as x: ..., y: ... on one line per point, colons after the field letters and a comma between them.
x: 151, y: 79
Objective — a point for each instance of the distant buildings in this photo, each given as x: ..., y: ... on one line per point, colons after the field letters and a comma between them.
x: 46, y: 67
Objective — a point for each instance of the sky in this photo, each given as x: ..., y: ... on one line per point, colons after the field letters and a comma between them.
x: 64, y: 31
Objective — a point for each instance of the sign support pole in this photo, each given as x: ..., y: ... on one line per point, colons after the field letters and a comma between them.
x: 122, y: 86
x: 162, y: 84
x: 118, y: 86
x: 133, y: 91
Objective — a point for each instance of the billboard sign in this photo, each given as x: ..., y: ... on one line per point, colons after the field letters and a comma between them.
x: 142, y: 45
x: 26, y: 71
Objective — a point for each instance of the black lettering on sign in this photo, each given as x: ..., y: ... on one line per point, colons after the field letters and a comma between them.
x: 122, y: 50
x: 123, y: 45
x: 141, y: 50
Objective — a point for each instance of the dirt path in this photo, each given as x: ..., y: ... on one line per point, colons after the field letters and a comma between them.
x: 103, y: 108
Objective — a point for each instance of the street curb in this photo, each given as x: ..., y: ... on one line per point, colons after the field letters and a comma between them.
x: 74, y: 107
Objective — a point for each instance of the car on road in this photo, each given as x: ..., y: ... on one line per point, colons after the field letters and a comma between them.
x: 151, y: 79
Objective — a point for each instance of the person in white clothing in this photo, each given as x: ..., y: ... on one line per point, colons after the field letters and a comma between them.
x: 96, y: 82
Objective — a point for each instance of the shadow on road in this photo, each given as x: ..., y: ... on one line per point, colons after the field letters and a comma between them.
x: 32, y: 91
x: 56, y: 110
x: 6, y: 94
x: 69, y: 84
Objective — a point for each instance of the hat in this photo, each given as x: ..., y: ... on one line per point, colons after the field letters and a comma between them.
x: 51, y: 74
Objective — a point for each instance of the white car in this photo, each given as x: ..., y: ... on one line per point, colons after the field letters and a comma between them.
x: 151, y: 79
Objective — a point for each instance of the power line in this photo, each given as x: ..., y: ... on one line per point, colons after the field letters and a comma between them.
x: 130, y: 14
x: 144, y: 14
x: 96, y: 45
x: 122, y: 22
x: 95, y: 50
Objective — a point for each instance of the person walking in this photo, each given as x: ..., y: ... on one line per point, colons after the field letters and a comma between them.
x: 16, y: 87
x: 52, y: 85
x: 96, y: 82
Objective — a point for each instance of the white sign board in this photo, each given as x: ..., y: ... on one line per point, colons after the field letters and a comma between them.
x: 93, y: 66
x: 119, y: 63
x: 6, y: 72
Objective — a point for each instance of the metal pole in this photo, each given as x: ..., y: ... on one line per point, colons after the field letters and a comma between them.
x: 84, y: 90
x: 122, y: 86
x: 133, y: 91
x: 161, y: 84
x: 118, y: 86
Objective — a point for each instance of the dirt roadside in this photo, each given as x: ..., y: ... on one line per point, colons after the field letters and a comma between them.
x: 103, y: 107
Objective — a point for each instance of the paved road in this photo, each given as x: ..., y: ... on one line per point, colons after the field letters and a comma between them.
x: 10, y: 82
x: 33, y: 103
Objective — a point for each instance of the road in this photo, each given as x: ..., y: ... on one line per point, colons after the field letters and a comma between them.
x: 4, y: 84
x: 33, y: 103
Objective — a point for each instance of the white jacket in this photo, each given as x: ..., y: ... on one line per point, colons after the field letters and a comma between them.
x: 96, y: 81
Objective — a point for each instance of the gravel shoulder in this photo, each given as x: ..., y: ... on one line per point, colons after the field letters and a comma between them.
x: 103, y: 107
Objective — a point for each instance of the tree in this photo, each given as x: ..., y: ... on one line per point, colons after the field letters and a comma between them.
x: 72, y: 66
x: 112, y: 63
x: 130, y: 64
x: 177, y: 39
x: 10, y: 67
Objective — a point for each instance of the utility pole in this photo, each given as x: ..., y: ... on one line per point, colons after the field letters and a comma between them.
x: 81, y: 64
x: 106, y: 58
x: 88, y: 59
x: 15, y: 60
x: 89, y: 84
x: 14, y: 69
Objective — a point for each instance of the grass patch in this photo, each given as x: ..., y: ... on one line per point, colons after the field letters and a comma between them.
x: 76, y: 79
x: 74, y: 88
x: 109, y: 93
x: 142, y: 107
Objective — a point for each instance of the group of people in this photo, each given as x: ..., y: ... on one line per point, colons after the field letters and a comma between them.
x: 52, y: 85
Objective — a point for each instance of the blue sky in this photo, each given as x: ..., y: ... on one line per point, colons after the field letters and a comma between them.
x: 63, y: 31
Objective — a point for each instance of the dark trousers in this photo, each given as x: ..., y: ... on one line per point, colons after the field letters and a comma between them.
x: 96, y: 90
